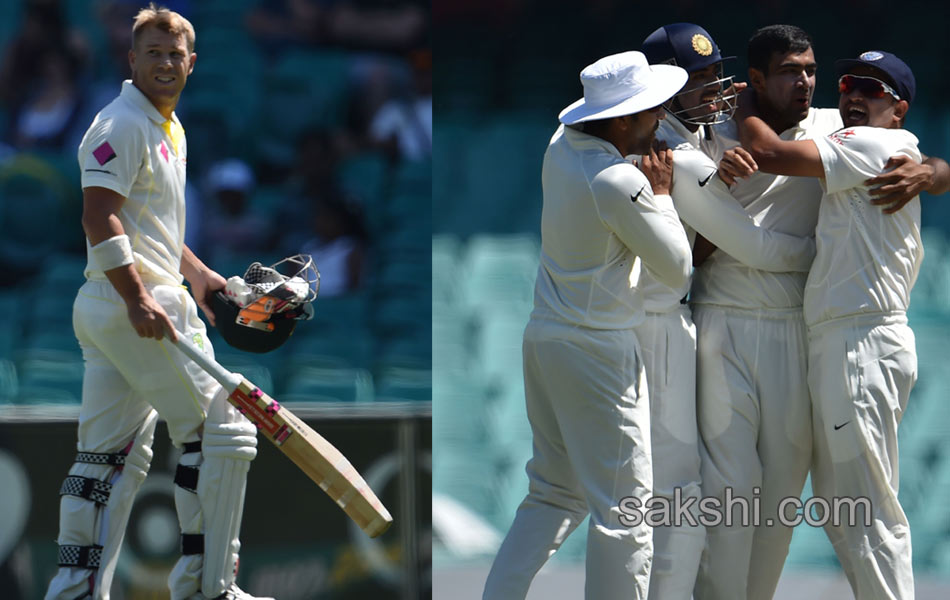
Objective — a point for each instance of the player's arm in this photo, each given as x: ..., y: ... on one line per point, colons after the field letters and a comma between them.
x: 203, y: 281
x: 113, y: 254
x: 643, y: 217
x: 705, y: 204
x: 904, y: 178
x: 771, y: 153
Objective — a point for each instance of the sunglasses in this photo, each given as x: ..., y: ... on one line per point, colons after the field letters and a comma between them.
x: 868, y: 87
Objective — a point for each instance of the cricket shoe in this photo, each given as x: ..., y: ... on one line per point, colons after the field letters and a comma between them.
x: 232, y: 593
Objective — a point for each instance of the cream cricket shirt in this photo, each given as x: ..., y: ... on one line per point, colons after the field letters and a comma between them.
x: 778, y: 203
x: 131, y: 149
x: 599, y: 220
x: 867, y: 260
x: 704, y: 204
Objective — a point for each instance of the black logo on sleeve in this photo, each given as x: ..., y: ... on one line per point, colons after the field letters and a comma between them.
x: 837, y: 427
x: 703, y: 182
x: 634, y: 198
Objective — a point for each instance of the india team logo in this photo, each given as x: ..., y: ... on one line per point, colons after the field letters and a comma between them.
x: 702, y: 45
x: 871, y: 56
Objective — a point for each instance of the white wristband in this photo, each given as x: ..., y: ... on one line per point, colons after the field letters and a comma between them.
x: 113, y: 252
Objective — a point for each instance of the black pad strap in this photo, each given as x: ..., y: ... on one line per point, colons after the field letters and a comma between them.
x: 191, y: 447
x: 86, y: 488
x: 115, y: 459
x: 83, y: 557
x: 192, y: 543
x: 187, y: 478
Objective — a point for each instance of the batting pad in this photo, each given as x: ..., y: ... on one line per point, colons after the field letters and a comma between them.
x: 228, y: 448
x: 100, y: 525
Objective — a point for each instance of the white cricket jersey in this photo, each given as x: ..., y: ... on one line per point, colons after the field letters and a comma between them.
x: 867, y: 260
x: 704, y: 204
x: 778, y: 203
x: 599, y: 220
x: 129, y: 149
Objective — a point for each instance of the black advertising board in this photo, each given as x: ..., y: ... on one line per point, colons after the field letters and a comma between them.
x: 296, y: 543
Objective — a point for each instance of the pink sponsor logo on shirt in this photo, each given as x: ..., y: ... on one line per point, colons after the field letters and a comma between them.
x: 104, y: 153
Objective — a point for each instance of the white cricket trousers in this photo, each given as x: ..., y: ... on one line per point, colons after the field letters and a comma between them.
x: 861, y: 372
x: 586, y: 397
x: 668, y: 347
x: 126, y: 375
x: 754, y: 418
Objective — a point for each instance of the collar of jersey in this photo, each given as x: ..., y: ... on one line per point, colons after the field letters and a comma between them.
x: 680, y: 133
x: 585, y: 141
x: 136, y: 97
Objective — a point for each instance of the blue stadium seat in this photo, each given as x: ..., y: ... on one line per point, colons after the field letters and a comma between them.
x: 346, y: 385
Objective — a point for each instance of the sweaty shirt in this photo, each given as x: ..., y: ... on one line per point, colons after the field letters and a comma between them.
x: 867, y: 260
x: 600, y: 224
x: 131, y: 149
x: 779, y: 203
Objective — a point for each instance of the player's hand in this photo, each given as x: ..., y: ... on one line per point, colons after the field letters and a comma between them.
x: 658, y: 168
x: 902, y: 180
x: 149, y: 319
x: 202, y: 286
x: 733, y: 93
x: 736, y: 163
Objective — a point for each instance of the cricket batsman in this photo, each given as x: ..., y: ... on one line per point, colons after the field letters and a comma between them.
x: 133, y: 176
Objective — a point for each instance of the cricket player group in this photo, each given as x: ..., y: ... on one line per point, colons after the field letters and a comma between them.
x: 717, y: 315
x: 721, y: 314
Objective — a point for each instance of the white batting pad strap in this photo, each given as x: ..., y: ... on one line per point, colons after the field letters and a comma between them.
x: 113, y: 252
x: 228, y: 449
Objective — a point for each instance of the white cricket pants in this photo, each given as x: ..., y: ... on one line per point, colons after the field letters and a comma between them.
x: 668, y: 347
x: 755, y: 425
x: 861, y: 372
x: 126, y: 375
x: 587, y: 403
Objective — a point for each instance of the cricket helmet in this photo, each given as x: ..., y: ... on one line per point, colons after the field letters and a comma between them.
x: 691, y: 47
x: 258, y: 312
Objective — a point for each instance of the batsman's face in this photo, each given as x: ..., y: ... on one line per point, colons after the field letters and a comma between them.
x: 642, y: 129
x: 701, y: 93
x: 161, y: 63
x: 788, y: 86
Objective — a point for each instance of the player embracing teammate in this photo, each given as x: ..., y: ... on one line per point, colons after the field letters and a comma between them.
x: 778, y: 391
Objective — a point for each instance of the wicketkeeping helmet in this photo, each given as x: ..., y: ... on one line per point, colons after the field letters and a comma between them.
x: 258, y: 312
x: 691, y: 47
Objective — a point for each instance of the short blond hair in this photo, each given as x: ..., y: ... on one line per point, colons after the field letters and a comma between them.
x: 165, y: 20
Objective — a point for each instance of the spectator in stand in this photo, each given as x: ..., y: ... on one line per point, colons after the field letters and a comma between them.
x: 338, y: 247
x: 40, y: 75
x: 231, y: 225
x: 403, y: 125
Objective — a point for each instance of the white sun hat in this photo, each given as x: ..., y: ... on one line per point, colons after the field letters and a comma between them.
x: 623, y: 84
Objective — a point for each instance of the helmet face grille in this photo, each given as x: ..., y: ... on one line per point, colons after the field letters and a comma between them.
x: 725, y: 100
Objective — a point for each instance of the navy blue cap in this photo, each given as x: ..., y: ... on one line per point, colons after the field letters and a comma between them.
x: 896, y: 69
x: 682, y: 44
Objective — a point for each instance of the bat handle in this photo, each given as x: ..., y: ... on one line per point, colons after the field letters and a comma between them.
x: 226, y: 378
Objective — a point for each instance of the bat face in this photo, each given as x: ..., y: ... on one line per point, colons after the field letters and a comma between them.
x: 261, y: 410
x: 315, y: 456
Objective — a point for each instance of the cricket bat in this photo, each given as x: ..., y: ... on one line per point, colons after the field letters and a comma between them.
x: 315, y: 456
